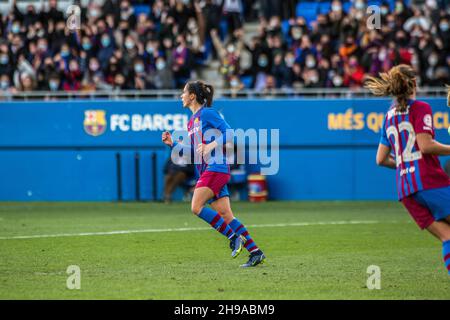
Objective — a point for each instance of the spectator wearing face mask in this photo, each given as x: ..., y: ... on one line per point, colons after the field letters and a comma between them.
x: 106, y: 49
x: 182, y: 62
x: 162, y: 77
x: 229, y: 55
x: 141, y: 80
x: 54, y: 83
x: 130, y: 50
x: 6, y: 65
x: 311, y: 78
x: 5, y: 85
x: 236, y: 85
x: 444, y: 32
x: 72, y: 77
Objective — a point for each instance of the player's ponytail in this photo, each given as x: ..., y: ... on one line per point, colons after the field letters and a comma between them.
x: 399, y: 82
x: 209, y: 94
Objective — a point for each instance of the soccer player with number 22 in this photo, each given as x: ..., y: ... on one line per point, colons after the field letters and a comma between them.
x: 422, y: 185
x: 213, y: 175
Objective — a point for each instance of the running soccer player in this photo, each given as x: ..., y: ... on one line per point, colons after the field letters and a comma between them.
x: 423, y: 186
x: 214, y: 174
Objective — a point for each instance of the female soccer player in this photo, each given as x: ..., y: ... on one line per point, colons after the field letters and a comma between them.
x: 214, y: 174
x: 423, y: 186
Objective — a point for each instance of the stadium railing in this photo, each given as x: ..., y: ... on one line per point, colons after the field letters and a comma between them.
x: 346, y: 93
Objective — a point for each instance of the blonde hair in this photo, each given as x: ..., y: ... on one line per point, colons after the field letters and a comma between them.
x: 399, y: 81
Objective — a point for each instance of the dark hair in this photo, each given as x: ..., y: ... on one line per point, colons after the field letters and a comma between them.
x: 399, y: 82
x: 204, y: 92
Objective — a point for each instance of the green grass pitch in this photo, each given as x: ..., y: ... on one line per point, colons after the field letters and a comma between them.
x: 315, y: 250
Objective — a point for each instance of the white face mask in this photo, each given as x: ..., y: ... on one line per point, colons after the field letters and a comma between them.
x: 310, y: 63
x: 129, y: 44
x: 336, y: 8
x: 433, y: 60
x: 337, y: 81
x: 290, y: 62
x: 359, y: 15
x: 314, y: 79
x: 443, y: 26
x: 296, y: 33
x: 4, y: 85
x: 160, y: 65
x: 359, y: 5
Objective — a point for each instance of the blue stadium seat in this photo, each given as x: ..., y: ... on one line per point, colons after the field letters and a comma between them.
x: 374, y: 3
x: 324, y: 7
x: 285, y: 27
x: 391, y: 4
x: 141, y: 8
x: 346, y: 6
x: 308, y: 10
x: 247, y: 81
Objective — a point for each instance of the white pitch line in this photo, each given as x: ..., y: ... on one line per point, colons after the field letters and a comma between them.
x: 278, y: 225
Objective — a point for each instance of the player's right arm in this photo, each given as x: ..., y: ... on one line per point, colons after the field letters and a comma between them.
x: 167, y: 139
x: 384, y: 157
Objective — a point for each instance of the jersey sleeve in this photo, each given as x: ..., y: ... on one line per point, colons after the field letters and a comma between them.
x: 422, y: 119
x: 384, y: 138
x: 213, y: 118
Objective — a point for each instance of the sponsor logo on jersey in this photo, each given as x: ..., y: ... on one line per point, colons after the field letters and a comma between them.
x: 428, y: 120
x: 407, y: 170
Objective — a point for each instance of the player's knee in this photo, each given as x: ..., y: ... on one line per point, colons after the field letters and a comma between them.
x: 196, y: 208
x: 445, y: 236
x: 227, y: 216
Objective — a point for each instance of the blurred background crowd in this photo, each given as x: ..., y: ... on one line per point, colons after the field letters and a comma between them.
x: 156, y: 44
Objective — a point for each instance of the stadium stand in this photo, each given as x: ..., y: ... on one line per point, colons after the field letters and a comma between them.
x: 145, y: 45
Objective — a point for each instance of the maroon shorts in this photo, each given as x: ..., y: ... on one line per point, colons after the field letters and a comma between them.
x: 216, y: 181
x: 421, y: 215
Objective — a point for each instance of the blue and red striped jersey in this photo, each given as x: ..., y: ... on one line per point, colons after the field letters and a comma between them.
x: 415, y: 171
x: 205, y: 126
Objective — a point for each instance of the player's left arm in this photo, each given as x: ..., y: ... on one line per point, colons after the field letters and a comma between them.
x: 424, y: 129
x: 384, y: 157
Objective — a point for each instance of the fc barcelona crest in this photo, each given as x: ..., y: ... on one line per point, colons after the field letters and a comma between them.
x: 94, y: 122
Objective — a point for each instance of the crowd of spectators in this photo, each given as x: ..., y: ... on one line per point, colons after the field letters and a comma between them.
x: 116, y: 47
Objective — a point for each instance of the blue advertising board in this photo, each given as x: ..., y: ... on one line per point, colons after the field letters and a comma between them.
x: 68, y: 150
